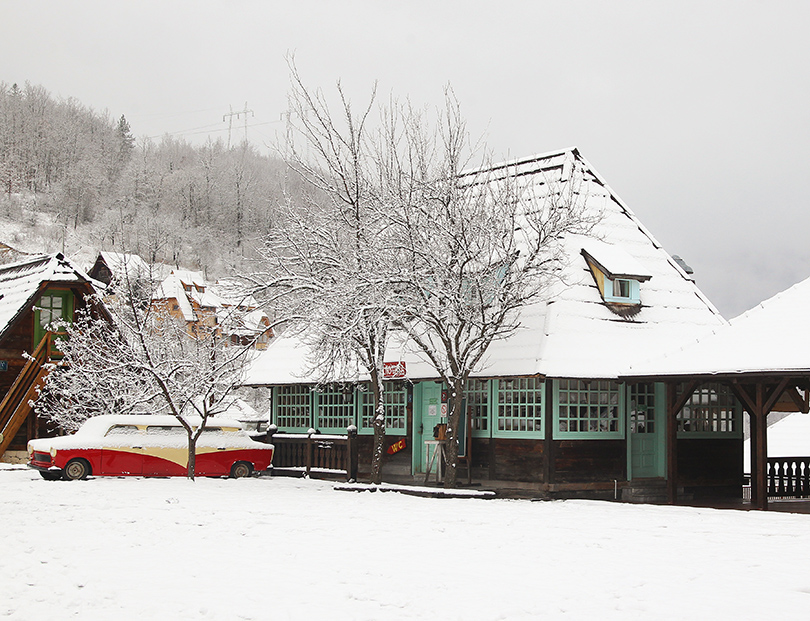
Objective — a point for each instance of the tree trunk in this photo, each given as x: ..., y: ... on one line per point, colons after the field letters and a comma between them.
x: 451, y: 437
x: 379, y: 429
x: 192, y: 456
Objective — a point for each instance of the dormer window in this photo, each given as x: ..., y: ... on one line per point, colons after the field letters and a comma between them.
x: 618, y: 275
x: 623, y: 291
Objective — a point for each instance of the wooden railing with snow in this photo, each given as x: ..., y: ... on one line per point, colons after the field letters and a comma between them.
x: 16, y: 405
x: 789, y: 477
x: 315, y: 454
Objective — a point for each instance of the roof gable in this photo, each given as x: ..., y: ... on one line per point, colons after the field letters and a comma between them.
x: 21, y: 282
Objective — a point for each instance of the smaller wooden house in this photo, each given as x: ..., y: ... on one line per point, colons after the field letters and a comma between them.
x: 34, y: 293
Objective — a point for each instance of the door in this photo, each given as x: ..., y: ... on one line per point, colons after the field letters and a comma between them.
x: 646, y: 431
x: 431, y: 409
x: 52, y: 306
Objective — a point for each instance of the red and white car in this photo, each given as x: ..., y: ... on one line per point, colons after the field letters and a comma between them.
x: 146, y: 445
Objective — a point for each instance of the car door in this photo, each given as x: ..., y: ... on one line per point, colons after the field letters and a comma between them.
x: 122, y: 451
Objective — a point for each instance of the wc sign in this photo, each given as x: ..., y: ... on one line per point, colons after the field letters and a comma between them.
x: 393, y: 370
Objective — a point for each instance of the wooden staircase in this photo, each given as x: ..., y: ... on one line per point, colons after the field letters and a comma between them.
x: 17, y: 404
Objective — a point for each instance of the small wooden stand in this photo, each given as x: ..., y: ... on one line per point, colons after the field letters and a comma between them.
x: 438, y: 450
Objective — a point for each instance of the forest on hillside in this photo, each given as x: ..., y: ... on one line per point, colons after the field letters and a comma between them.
x: 76, y: 180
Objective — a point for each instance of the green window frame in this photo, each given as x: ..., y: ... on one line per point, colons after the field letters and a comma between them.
x: 292, y: 407
x: 52, y: 305
x: 395, y: 398
x: 588, y: 409
x: 641, y: 408
x: 334, y: 407
x: 711, y: 412
x: 478, y: 399
x: 519, y: 407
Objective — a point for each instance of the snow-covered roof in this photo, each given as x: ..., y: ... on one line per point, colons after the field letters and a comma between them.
x: 125, y: 264
x: 571, y: 332
x: 20, y: 284
x: 613, y: 260
x: 772, y: 337
x: 172, y: 289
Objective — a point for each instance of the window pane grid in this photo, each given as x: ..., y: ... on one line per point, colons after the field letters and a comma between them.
x: 520, y: 404
x: 477, y: 395
x: 588, y: 406
x: 642, y: 408
x: 292, y: 406
x: 395, y: 398
x: 712, y: 408
x: 335, y: 407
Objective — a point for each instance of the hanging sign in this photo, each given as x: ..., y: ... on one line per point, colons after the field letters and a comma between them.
x: 393, y: 370
x: 396, y: 447
x: 3, y: 365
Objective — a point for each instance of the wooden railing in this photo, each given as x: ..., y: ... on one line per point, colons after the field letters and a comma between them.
x: 789, y: 477
x: 16, y: 406
x: 315, y: 454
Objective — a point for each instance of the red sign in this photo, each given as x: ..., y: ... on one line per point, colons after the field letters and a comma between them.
x: 393, y: 370
x: 396, y: 447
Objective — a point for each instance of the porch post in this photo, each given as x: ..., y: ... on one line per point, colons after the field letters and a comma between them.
x: 753, y: 427
x: 672, y: 444
x: 762, y: 450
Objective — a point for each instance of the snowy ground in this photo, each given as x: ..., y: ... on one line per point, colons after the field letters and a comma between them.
x: 293, y: 549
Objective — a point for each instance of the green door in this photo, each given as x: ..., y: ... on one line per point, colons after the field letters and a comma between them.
x: 52, y: 306
x: 430, y: 406
x: 646, y: 431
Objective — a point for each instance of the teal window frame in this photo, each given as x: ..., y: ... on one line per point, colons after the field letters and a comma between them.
x: 700, y: 418
x: 334, y: 408
x: 634, y: 291
x: 395, y: 397
x: 519, y: 407
x: 588, y: 401
x: 478, y: 397
x: 298, y: 399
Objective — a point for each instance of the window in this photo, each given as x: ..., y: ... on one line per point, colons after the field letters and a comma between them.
x: 122, y: 430
x: 711, y: 410
x: 50, y: 309
x: 519, y: 409
x: 293, y: 407
x: 395, y: 398
x: 642, y: 408
x: 335, y: 407
x: 588, y: 409
x: 477, y: 395
x: 621, y: 288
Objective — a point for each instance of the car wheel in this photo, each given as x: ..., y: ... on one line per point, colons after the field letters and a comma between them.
x: 49, y: 475
x: 76, y: 469
x: 241, y: 469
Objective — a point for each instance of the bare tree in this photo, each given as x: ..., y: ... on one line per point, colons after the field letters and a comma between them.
x: 479, y: 246
x: 328, y: 261
x: 145, y: 361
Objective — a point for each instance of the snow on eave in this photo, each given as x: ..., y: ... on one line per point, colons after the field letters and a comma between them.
x: 520, y: 161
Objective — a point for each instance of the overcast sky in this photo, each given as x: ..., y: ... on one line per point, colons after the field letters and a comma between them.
x: 696, y: 113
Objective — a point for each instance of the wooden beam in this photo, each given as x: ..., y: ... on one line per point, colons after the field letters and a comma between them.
x: 774, y: 396
x: 801, y: 402
x: 743, y: 397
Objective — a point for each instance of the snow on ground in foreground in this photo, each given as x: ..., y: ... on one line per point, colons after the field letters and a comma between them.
x: 294, y: 549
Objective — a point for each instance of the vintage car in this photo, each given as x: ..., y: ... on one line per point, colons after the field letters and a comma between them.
x: 147, y: 445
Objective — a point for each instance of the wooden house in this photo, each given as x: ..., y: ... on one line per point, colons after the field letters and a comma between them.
x: 547, y: 410
x: 33, y: 294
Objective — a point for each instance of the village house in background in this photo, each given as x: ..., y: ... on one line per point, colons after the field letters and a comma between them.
x: 33, y: 293
x: 547, y: 410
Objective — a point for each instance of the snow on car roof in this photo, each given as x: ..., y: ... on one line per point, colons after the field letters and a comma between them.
x: 99, y: 425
